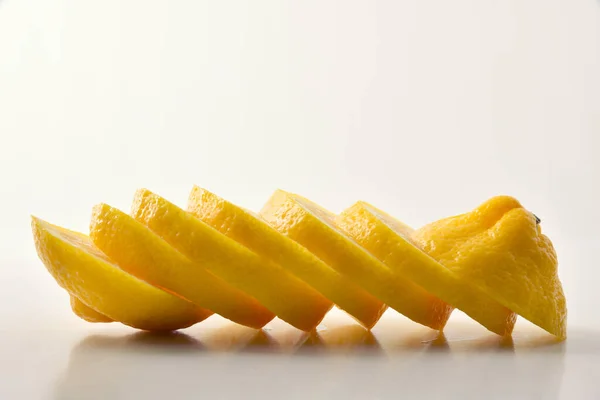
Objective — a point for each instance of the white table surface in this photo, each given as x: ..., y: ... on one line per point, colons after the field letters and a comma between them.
x: 219, y: 359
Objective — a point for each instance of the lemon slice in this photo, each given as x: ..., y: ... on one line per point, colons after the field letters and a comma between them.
x: 438, y: 279
x: 253, y: 232
x: 499, y: 247
x: 288, y: 297
x: 315, y: 228
x: 142, y: 253
x: 90, y: 276
x: 86, y: 313
x: 395, y: 249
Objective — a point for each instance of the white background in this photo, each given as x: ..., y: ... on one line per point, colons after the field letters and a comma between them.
x: 423, y: 108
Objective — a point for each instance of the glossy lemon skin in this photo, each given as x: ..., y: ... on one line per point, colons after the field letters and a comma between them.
x: 252, y: 231
x: 396, y: 251
x: 401, y: 248
x: 290, y: 298
x: 330, y: 239
x: 142, y: 253
x: 86, y: 313
x: 163, y: 268
x: 90, y: 276
x: 500, y: 249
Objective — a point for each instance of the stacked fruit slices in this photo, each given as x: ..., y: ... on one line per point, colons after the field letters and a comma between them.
x: 164, y: 268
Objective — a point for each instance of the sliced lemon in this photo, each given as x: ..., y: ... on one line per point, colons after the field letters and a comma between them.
x: 86, y: 313
x: 315, y: 228
x: 89, y: 275
x: 438, y: 280
x: 499, y: 247
x: 396, y: 251
x: 253, y: 232
x: 142, y: 253
x: 288, y: 297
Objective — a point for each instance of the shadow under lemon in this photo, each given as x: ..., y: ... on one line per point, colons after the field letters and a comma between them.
x: 150, y: 365
x: 469, y: 360
x: 396, y: 353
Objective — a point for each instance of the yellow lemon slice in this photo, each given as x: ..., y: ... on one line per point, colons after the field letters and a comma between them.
x: 315, y: 228
x: 397, y: 252
x: 89, y: 275
x: 142, y: 253
x: 288, y: 297
x: 86, y: 313
x: 499, y: 247
x: 408, y: 258
x: 253, y: 232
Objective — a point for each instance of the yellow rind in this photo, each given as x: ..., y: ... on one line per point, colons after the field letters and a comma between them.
x: 398, y: 253
x: 86, y: 273
x: 166, y: 269
x: 288, y: 297
x: 443, y: 282
x: 500, y: 248
x: 142, y: 253
x: 253, y: 232
x: 86, y: 313
x: 314, y: 228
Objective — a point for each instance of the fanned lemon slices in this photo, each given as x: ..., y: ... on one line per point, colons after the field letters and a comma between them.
x: 164, y: 268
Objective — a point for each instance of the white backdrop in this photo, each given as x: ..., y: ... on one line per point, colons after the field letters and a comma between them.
x: 424, y: 108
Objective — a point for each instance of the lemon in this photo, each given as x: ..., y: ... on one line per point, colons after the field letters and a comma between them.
x: 395, y: 250
x: 290, y: 298
x: 408, y: 257
x: 163, y: 268
x: 90, y: 276
x: 500, y: 249
x: 86, y: 313
x: 316, y: 229
x: 142, y: 253
x: 253, y: 232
